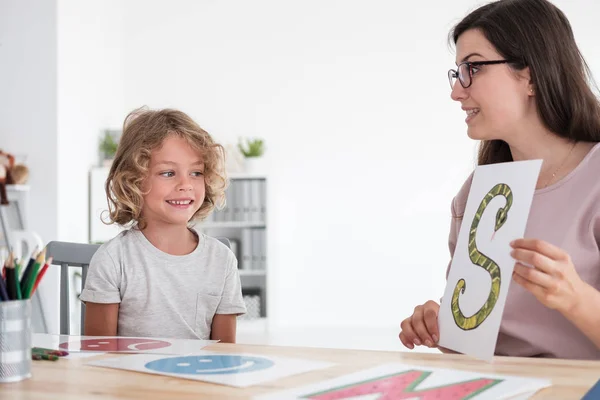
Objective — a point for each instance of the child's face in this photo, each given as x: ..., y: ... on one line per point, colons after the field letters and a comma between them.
x: 175, y: 183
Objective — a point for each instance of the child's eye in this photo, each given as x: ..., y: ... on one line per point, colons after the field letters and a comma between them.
x: 167, y: 174
x: 197, y: 173
x: 474, y: 70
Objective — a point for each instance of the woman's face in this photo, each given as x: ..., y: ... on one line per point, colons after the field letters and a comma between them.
x: 499, y: 99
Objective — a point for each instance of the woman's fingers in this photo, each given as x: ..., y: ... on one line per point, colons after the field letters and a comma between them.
x: 421, y: 327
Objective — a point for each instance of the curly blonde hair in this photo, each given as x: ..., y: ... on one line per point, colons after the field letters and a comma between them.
x: 145, y: 130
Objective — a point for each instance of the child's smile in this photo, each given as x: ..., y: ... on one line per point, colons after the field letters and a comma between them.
x: 181, y: 203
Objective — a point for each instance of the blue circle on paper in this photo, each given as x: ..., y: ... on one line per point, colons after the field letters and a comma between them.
x: 210, y: 365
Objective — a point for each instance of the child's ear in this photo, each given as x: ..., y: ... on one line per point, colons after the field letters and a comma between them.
x: 145, y: 185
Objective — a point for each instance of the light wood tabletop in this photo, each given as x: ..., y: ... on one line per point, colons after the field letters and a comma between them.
x: 71, y: 379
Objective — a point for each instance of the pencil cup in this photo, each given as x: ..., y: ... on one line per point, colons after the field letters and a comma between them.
x: 15, y: 340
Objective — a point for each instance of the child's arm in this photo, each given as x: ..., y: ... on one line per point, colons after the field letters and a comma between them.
x: 232, y: 304
x: 223, y: 328
x: 101, y: 295
x: 101, y: 319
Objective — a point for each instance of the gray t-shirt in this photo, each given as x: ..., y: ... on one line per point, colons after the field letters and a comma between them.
x: 163, y: 295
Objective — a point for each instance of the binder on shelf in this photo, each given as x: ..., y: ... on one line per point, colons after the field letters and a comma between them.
x: 238, y: 200
x: 263, y: 200
x: 255, y: 200
x: 246, y: 189
x: 246, y: 245
x: 256, y: 248
x: 263, y: 251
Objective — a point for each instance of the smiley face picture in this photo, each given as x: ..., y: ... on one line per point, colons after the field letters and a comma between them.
x: 237, y: 370
x: 119, y: 344
x: 112, y: 344
x: 210, y: 364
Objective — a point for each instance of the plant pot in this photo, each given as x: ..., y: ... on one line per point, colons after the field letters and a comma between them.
x: 255, y: 165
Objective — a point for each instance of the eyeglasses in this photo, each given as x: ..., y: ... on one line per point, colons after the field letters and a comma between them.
x: 464, y: 72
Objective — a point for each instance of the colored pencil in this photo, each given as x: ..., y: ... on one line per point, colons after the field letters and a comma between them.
x: 29, y: 270
x: 38, y: 356
x: 12, y: 282
x: 30, y: 280
x: 31, y: 261
x: 17, y: 285
x: 3, y: 289
x: 41, y: 350
x: 3, y: 292
x: 41, y: 275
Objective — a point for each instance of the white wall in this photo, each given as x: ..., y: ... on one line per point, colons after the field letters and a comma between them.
x: 90, y: 99
x: 28, y: 101
x: 28, y: 114
x: 365, y: 146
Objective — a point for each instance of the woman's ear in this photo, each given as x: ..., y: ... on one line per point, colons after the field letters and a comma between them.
x: 525, y: 76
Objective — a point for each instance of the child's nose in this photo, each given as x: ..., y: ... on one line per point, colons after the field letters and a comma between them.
x: 184, y: 184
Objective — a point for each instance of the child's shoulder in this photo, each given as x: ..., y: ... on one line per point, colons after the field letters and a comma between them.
x: 214, y: 246
x: 124, y: 239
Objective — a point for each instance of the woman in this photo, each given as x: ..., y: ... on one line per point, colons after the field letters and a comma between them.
x: 524, y: 86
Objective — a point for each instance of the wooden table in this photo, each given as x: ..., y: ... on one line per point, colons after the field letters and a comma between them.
x: 71, y: 379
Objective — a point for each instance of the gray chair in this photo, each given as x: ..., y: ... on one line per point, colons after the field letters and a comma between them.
x: 67, y: 255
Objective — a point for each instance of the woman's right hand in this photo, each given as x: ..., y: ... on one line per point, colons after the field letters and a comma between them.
x: 421, y: 328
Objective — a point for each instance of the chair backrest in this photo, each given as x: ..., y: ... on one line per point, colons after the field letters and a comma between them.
x: 67, y: 254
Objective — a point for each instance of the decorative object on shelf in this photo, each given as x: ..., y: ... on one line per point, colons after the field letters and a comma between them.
x: 253, y: 150
x: 20, y: 173
x: 108, y: 146
x: 7, y: 162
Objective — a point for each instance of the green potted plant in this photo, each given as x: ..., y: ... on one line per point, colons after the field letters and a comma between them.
x: 108, y: 146
x: 253, y: 151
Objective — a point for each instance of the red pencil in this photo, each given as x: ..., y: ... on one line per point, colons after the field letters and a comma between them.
x: 41, y: 275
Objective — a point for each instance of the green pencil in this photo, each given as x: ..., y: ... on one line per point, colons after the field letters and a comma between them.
x: 33, y: 275
x: 40, y: 356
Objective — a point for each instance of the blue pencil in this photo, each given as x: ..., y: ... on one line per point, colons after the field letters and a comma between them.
x: 3, y: 292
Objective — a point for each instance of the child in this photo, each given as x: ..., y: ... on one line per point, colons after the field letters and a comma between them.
x: 524, y: 87
x: 160, y: 278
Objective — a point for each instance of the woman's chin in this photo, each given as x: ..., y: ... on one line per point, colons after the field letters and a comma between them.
x: 475, y: 134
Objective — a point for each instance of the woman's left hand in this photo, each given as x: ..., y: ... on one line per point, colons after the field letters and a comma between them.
x: 552, y: 277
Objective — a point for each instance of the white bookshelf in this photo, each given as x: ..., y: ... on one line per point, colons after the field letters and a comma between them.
x: 244, y: 222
